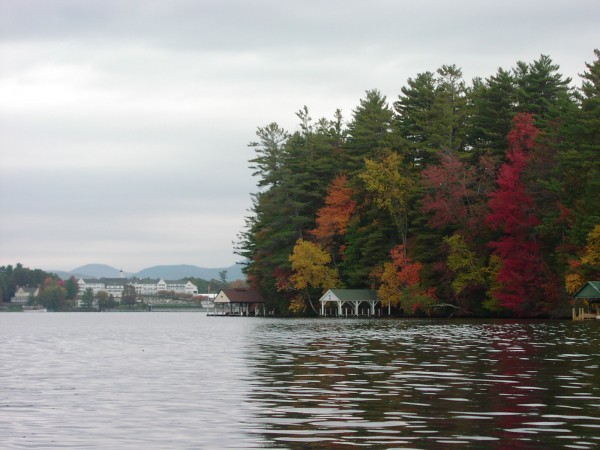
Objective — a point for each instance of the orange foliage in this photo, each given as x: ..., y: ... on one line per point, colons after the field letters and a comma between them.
x: 333, y: 218
x: 400, y: 283
x: 408, y: 272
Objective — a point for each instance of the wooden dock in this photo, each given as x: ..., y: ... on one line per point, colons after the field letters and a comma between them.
x: 582, y: 314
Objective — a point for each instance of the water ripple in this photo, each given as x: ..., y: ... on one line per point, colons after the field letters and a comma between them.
x: 169, y: 381
x: 408, y: 374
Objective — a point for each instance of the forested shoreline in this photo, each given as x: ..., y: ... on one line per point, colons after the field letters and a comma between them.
x: 57, y: 294
x: 478, y: 198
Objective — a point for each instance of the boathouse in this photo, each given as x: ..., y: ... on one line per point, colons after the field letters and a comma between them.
x: 352, y: 297
x: 238, y: 302
x: 587, y: 301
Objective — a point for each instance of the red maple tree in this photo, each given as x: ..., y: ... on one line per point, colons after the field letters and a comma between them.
x: 456, y: 193
x: 448, y: 187
x: 521, y: 275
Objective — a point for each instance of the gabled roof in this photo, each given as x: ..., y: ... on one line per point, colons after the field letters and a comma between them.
x: 240, y: 295
x: 27, y: 290
x: 589, y: 290
x: 348, y: 295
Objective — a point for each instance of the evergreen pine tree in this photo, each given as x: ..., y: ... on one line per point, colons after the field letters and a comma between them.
x: 494, y: 106
x: 369, y: 132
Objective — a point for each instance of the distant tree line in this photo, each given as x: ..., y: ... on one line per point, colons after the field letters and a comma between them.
x: 480, y: 197
x: 56, y: 294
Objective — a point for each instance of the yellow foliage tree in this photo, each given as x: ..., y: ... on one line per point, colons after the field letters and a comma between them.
x: 588, y: 266
x: 591, y: 256
x: 573, y: 282
x: 310, y: 269
x: 468, y: 269
x: 391, y: 185
x: 390, y: 285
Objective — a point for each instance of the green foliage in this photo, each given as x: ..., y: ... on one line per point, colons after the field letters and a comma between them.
x: 106, y: 301
x: 53, y: 296
x: 11, y: 278
x: 294, y: 172
x: 213, y: 285
x: 369, y: 239
x: 494, y: 101
x: 369, y: 132
x: 492, y: 303
x: 87, y: 298
x: 468, y: 268
x: 3, y: 286
x: 431, y: 115
x: 72, y: 288
x: 412, y: 114
x: 391, y: 186
x: 129, y: 296
x: 446, y: 129
x: 541, y: 89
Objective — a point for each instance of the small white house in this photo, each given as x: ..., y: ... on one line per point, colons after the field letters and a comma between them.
x: 23, y: 295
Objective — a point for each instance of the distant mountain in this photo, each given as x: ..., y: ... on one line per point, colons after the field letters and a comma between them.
x: 61, y: 273
x: 96, y: 271
x: 185, y: 270
x: 172, y: 272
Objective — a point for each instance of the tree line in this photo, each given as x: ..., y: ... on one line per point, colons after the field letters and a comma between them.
x: 479, y: 198
x: 54, y: 293
x: 57, y: 294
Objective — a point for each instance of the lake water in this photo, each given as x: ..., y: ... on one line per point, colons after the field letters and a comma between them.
x: 187, y: 381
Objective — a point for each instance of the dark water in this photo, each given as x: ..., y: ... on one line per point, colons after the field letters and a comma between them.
x: 183, y: 380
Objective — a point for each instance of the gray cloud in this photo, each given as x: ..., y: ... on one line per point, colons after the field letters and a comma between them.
x: 124, y: 125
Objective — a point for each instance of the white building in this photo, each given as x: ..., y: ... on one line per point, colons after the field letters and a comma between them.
x: 180, y: 287
x: 23, y: 295
x: 115, y: 286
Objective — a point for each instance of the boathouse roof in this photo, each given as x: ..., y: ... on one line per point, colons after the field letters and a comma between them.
x: 348, y: 295
x: 239, y: 295
x: 590, y: 290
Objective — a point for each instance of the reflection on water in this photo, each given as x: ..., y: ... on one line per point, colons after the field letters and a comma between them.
x: 428, y: 384
x: 183, y: 380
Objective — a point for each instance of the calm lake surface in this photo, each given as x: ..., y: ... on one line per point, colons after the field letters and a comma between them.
x: 187, y: 381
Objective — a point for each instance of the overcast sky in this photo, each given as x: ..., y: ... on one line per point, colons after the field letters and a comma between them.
x: 124, y: 124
